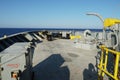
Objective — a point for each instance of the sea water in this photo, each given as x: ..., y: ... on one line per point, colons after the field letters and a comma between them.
x: 10, y: 31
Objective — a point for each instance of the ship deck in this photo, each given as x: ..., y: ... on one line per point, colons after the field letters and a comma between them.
x: 61, y: 60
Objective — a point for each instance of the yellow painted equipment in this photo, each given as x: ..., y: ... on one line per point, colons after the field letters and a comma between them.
x: 110, y: 22
x: 103, y: 63
x: 105, y: 51
x: 75, y: 37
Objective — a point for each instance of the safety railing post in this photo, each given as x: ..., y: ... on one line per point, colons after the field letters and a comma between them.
x: 101, y: 64
x: 105, y: 62
x: 116, y: 66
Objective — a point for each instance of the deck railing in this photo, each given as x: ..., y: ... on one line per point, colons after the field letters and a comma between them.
x: 104, y: 61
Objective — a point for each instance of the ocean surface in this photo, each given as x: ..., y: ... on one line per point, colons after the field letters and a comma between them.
x: 10, y: 31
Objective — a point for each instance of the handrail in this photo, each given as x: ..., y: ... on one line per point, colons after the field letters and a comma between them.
x: 103, y: 63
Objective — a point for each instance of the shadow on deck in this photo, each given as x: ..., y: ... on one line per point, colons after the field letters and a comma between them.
x: 90, y: 73
x: 50, y: 69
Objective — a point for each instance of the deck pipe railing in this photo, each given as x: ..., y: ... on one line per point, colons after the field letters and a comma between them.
x: 104, y: 64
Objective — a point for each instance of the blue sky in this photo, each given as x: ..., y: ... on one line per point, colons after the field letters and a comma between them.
x: 56, y: 13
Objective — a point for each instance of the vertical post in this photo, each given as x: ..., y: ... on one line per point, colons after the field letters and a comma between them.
x: 106, y: 60
x: 101, y: 64
x: 116, y: 66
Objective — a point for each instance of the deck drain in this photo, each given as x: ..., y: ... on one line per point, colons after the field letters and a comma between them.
x: 67, y: 59
x: 72, y: 55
